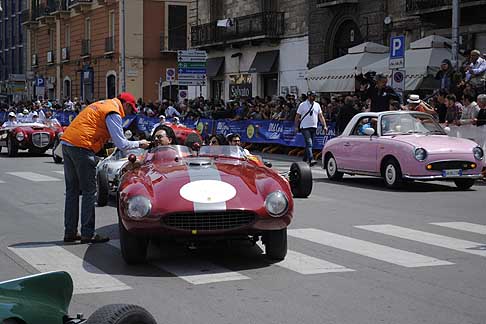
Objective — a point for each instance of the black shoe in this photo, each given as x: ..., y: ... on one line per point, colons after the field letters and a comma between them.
x: 312, y: 163
x: 71, y: 238
x: 96, y: 238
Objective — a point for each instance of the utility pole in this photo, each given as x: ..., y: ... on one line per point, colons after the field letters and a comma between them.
x: 455, y: 33
x: 123, y: 57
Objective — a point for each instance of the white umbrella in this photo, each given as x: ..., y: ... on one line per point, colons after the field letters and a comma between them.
x: 422, y: 61
x: 339, y: 74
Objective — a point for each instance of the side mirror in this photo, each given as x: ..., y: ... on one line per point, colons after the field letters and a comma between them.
x: 447, y: 129
x: 369, y: 131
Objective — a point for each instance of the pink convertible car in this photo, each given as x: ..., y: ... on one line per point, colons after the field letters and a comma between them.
x: 402, y: 146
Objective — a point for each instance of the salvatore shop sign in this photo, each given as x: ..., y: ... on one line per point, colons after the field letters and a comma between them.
x: 240, y: 85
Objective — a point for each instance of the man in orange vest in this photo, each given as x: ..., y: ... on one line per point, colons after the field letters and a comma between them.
x: 85, y: 136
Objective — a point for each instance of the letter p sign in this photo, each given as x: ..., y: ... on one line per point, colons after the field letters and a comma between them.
x: 397, y: 47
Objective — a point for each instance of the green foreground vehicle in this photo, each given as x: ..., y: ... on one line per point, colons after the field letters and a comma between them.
x: 44, y: 299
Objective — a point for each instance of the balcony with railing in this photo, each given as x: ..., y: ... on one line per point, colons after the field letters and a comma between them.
x: 29, y: 18
x: 109, y: 45
x: 331, y: 3
x: 80, y: 5
x: 257, y: 26
x: 421, y: 7
x: 61, y: 9
x: 44, y: 12
x: 85, y: 47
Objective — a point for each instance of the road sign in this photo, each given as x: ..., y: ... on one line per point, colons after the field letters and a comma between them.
x: 397, y: 52
x: 192, y: 53
x: 192, y: 71
x: 191, y: 59
x: 39, y: 82
x: 183, y: 94
x: 186, y: 65
x: 192, y: 76
x: 192, y: 82
x: 398, y: 80
x: 170, y: 74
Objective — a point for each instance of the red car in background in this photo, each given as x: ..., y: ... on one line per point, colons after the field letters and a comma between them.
x: 37, y: 138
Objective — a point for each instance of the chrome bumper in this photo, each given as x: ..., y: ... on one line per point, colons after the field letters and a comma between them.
x: 440, y: 177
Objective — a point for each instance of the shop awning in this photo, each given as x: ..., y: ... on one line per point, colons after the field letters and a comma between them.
x: 214, y: 66
x: 264, y: 62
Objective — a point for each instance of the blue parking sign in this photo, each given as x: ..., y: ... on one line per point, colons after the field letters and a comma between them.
x: 39, y: 82
x: 397, y: 52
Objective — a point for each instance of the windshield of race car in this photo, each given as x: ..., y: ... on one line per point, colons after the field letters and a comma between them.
x: 223, y: 150
x: 169, y: 152
x: 119, y: 154
x: 398, y: 124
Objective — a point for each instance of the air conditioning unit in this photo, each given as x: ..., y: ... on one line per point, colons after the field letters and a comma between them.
x: 34, y: 59
x: 50, y: 57
x: 65, y: 54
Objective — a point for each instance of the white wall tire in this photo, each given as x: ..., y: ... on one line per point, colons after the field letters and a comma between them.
x: 392, y: 174
x: 332, y: 170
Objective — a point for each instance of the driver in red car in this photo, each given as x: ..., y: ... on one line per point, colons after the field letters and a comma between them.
x: 164, y: 135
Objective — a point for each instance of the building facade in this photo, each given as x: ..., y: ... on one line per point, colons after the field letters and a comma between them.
x: 255, y: 47
x: 336, y: 25
x: 75, y: 47
x: 12, y: 51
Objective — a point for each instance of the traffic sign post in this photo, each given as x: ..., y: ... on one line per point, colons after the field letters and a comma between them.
x: 398, y: 80
x: 191, y: 67
x: 170, y: 74
x: 397, y: 52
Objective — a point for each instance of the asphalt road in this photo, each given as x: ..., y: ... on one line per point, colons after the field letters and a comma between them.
x: 359, y: 254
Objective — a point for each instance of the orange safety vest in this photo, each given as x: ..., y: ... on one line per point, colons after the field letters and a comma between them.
x: 88, y: 130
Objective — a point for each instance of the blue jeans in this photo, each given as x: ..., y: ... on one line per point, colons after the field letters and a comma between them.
x: 309, y: 135
x: 79, y: 175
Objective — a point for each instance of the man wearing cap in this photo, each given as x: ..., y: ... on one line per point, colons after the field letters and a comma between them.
x: 82, y: 139
x: 12, y: 120
x: 380, y: 94
x: 415, y: 104
x: 476, y: 72
x: 306, y: 118
x: 161, y: 122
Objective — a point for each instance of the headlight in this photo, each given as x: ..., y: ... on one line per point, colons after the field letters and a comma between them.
x: 420, y: 154
x: 20, y: 136
x: 478, y: 153
x: 276, y: 204
x: 138, y: 207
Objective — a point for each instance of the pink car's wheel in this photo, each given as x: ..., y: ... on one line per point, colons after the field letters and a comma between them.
x: 332, y: 170
x: 392, y: 174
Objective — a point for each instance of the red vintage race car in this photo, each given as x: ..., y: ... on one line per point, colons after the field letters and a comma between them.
x: 35, y: 137
x: 218, y: 194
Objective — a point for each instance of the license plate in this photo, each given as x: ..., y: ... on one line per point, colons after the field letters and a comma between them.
x: 451, y: 173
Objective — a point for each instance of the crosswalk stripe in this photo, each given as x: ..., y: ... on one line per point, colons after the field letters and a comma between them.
x: 305, y: 264
x: 369, y: 249
x: 429, y: 238
x: 35, y: 177
x: 464, y: 226
x: 59, y: 172
x: 196, y: 272
x: 1, y: 181
x: 86, y: 277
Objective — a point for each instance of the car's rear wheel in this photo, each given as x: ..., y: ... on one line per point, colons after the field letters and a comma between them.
x: 102, y: 193
x: 300, y: 179
x: 392, y: 174
x: 12, y: 148
x: 121, y: 314
x: 275, y: 244
x: 464, y: 184
x: 332, y: 170
x: 133, y: 248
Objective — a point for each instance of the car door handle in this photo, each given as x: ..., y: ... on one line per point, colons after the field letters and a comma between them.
x: 347, y: 144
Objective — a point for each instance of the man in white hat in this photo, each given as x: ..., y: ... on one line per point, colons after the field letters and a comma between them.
x: 161, y: 122
x: 12, y: 120
x: 35, y: 117
x: 415, y: 104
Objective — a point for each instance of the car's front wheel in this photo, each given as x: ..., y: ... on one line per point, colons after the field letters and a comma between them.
x: 121, y: 314
x: 300, y: 179
x: 57, y: 159
x: 392, y: 174
x: 133, y: 248
x: 275, y: 244
x: 12, y: 148
x: 102, y: 193
x: 464, y: 184
x: 332, y: 170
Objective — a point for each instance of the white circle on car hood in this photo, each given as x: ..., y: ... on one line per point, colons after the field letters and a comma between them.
x: 208, y: 191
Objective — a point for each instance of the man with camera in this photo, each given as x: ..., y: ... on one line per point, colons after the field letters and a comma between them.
x: 379, y: 93
x: 306, y: 118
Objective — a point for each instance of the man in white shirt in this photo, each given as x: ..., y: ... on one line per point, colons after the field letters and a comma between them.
x: 161, y: 122
x: 306, y: 118
x: 476, y: 72
x: 171, y: 111
x: 12, y: 120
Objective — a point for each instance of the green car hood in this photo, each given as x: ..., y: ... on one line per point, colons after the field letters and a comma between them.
x: 41, y: 298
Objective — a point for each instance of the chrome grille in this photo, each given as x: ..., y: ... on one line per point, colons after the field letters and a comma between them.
x: 451, y: 165
x: 209, y: 221
x: 41, y: 139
